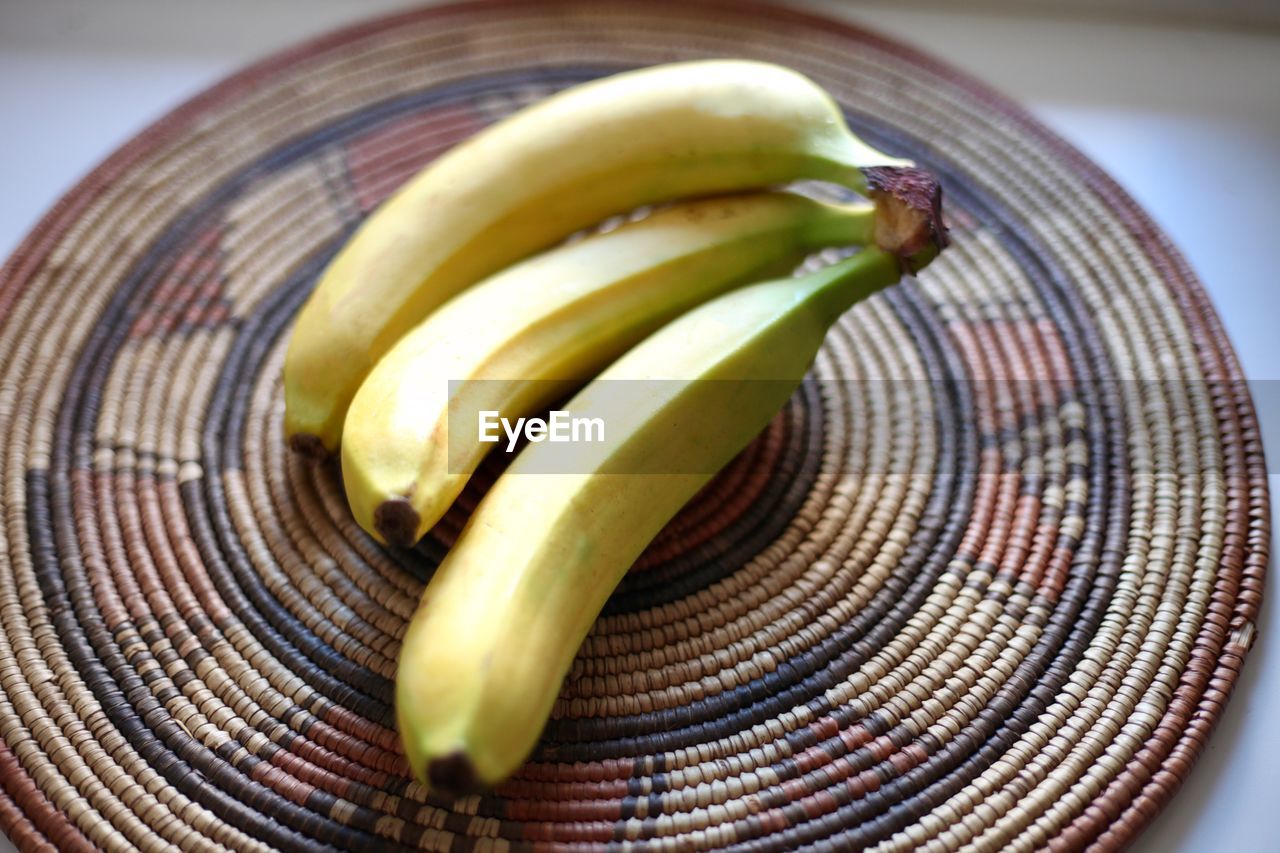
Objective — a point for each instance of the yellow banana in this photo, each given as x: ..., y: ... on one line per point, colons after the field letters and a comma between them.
x: 522, y: 339
x: 566, y: 163
x: 504, y: 614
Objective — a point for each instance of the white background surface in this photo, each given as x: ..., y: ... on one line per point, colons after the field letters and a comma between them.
x: 1186, y: 115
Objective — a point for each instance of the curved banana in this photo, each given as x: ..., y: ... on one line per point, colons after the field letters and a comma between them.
x: 504, y: 614
x: 606, y: 147
x: 522, y: 339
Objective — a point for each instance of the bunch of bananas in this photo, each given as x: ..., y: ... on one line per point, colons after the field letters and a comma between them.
x: 439, y: 305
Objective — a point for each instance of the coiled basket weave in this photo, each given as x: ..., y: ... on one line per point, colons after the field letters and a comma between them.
x: 986, y: 583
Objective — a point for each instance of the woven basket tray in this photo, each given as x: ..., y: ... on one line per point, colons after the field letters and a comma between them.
x: 988, y: 580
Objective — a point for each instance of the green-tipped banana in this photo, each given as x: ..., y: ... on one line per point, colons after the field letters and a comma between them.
x: 520, y: 340
x: 566, y: 163
x: 504, y: 614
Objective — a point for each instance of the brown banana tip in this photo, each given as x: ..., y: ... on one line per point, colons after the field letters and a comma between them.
x: 309, y: 446
x: 397, y: 521
x: 454, y: 774
x: 908, y: 210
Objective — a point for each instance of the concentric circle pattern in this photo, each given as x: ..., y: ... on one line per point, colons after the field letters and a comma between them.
x: 986, y: 583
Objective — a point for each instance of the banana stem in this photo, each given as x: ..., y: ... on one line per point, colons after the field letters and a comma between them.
x: 842, y: 285
x: 908, y: 207
x: 842, y: 225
